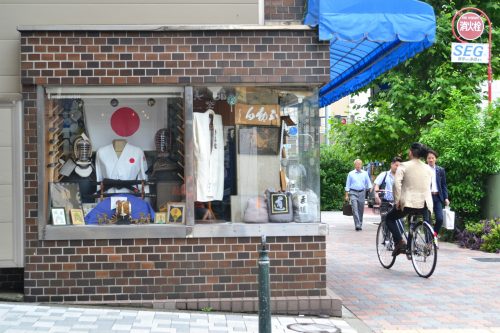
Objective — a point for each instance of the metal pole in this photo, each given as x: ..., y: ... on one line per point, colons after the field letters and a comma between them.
x: 264, y: 290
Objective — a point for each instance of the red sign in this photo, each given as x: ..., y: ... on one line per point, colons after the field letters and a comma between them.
x: 470, y: 26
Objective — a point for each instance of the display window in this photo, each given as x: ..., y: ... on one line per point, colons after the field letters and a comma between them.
x: 249, y: 155
x: 256, y: 154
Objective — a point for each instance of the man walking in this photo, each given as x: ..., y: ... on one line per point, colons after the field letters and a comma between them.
x: 384, y: 183
x: 355, y: 191
x: 439, y: 190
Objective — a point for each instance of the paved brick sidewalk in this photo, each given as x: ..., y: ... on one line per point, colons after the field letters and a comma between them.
x: 30, y: 317
x: 463, y: 294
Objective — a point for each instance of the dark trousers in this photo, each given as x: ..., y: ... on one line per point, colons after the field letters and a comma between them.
x: 396, y: 214
x: 438, y: 213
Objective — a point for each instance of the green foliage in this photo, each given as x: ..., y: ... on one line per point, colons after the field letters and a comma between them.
x: 491, y: 241
x: 207, y: 309
x: 335, y: 164
x: 468, y: 140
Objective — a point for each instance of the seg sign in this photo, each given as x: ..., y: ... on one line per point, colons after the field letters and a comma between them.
x: 468, y: 52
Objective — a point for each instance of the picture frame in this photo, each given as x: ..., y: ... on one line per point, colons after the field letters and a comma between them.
x: 176, y: 213
x: 259, y: 140
x: 58, y: 216
x: 160, y: 217
x: 77, y: 216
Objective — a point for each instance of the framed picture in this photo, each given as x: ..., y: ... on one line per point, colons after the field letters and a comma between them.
x: 175, y: 212
x: 160, y: 217
x: 77, y: 216
x: 58, y: 216
x: 259, y: 140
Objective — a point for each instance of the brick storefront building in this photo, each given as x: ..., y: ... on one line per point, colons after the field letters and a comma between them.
x: 187, y: 266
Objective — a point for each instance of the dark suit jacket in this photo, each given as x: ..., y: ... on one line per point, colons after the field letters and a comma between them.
x: 441, y: 183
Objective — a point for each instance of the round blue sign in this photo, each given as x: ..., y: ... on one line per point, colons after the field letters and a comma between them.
x: 293, y: 131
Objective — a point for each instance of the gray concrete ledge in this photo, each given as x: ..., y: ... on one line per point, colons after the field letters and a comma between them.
x: 227, y: 229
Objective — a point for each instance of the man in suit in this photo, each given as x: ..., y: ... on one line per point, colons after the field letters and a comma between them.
x: 412, y: 192
x: 439, y: 190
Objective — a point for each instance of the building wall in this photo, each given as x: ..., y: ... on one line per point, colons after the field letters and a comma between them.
x: 285, y: 10
x: 112, y: 12
x: 141, y: 270
x: 147, y: 270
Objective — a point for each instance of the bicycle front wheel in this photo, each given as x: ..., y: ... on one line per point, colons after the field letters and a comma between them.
x: 423, y: 250
x: 385, y: 246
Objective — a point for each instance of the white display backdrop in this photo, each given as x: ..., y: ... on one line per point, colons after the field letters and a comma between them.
x: 148, y: 120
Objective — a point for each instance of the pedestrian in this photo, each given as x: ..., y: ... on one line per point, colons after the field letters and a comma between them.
x: 383, y: 185
x: 412, y: 192
x: 356, y: 185
x: 439, y: 191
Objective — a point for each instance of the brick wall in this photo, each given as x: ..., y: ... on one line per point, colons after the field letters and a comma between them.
x: 149, y: 58
x: 152, y: 270
x: 285, y: 10
x: 147, y: 270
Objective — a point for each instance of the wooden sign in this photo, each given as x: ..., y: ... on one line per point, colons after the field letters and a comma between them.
x: 257, y: 114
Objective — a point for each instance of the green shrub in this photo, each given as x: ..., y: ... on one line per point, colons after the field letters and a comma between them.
x: 335, y: 164
x: 491, y: 241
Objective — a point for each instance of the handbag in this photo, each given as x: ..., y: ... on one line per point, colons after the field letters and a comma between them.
x: 448, y: 218
x: 347, y: 209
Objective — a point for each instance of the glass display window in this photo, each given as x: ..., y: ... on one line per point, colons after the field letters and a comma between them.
x: 256, y: 154
x: 114, y: 158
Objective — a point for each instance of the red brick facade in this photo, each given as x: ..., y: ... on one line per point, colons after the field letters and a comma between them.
x: 153, y: 270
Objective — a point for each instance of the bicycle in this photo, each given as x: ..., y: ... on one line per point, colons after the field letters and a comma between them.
x: 421, y: 246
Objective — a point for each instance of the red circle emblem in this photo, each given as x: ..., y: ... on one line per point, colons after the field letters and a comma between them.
x: 470, y: 26
x: 125, y: 121
x: 132, y: 160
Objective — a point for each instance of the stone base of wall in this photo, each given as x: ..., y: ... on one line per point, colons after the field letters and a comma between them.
x: 329, y: 305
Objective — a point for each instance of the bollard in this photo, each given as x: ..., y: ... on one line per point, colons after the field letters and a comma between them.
x: 264, y: 290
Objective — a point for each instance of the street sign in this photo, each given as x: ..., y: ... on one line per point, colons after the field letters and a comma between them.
x: 469, y: 52
x: 470, y: 26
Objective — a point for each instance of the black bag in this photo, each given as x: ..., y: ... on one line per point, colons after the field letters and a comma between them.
x: 347, y: 209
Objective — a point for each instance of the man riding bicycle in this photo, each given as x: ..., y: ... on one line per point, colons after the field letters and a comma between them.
x: 412, y: 192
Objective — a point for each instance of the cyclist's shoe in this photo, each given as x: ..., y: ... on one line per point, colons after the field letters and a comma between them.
x: 399, y: 248
x: 436, y: 240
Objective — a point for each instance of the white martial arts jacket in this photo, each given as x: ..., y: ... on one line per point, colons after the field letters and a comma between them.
x: 131, y: 165
x: 208, y: 156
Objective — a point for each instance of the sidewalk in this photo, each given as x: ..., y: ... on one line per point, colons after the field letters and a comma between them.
x: 31, y: 317
x: 461, y: 296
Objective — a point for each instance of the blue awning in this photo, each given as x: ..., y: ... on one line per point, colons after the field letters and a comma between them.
x: 367, y: 38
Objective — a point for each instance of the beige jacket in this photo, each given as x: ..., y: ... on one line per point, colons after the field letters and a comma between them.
x: 412, y: 185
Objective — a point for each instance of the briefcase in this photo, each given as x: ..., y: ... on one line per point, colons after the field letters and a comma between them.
x: 347, y: 209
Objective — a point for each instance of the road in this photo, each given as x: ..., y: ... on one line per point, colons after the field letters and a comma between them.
x: 463, y: 294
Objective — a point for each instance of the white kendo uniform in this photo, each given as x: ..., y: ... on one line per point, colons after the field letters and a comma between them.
x: 131, y: 165
x: 208, y: 156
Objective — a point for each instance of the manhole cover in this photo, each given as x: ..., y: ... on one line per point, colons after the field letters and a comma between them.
x: 487, y: 259
x: 314, y: 328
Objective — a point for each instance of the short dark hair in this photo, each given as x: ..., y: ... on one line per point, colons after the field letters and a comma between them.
x: 397, y: 159
x: 433, y: 152
x: 418, y: 150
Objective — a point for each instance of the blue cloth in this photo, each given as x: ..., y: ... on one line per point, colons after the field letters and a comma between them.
x: 389, y: 182
x: 358, y: 181
x: 441, y: 183
x: 367, y: 38
x: 104, y: 207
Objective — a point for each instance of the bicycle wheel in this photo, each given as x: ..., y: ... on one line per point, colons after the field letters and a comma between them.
x: 423, y: 250
x: 385, y: 246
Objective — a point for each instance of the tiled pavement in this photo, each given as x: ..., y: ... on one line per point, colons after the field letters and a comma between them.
x: 463, y: 294
x: 24, y: 317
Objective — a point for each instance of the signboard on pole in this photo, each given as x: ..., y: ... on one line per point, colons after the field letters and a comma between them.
x: 470, y: 26
x: 469, y: 52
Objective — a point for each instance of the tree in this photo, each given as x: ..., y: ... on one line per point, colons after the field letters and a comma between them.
x: 416, y: 93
